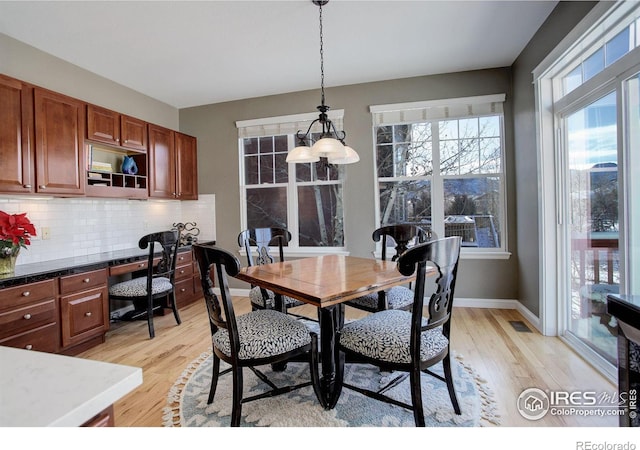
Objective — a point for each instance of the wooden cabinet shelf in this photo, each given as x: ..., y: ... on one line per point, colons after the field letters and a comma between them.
x: 110, y: 183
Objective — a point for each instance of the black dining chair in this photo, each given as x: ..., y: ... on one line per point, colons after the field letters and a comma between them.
x: 407, y: 341
x: 260, y: 241
x: 257, y: 338
x: 402, y: 236
x: 156, y: 289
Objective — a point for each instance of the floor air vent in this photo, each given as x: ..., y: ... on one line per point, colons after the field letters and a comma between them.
x: 520, y: 326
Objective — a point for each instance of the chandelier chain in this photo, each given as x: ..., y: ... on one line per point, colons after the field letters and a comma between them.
x: 321, y: 57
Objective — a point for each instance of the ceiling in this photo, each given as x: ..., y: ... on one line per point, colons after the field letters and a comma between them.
x: 188, y: 53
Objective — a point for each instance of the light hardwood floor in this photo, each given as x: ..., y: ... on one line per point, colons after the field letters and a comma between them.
x: 510, y: 361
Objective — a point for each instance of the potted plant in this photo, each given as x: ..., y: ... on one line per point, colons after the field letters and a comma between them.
x: 15, y: 233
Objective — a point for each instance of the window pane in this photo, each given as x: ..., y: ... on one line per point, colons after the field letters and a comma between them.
x: 489, y: 126
x: 320, y: 216
x: 472, y: 210
x: 266, y: 145
x: 448, y: 129
x: 303, y: 171
x: 282, y: 168
x: 573, y: 79
x: 267, y: 207
x: 384, y: 135
x: 385, y: 160
x: 449, y: 158
x: 593, y: 64
x: 266, y: 168
x: 490, y: 155
x: 405, y: 201
x: 250, y: 146
x: 469, y: 156
x: 251, y: 170
x: 618, y: 46
x: 281, y: 144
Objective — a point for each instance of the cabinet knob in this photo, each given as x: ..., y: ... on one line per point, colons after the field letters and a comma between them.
x: 26, y: 293
x: 28, y: 347
x: 141, y: 265
x: 42, y: 186
x: 183, y: 290
x: 27, y: 316
x: 26, y: 186
x: 86, y: 280
x: 87, y: 314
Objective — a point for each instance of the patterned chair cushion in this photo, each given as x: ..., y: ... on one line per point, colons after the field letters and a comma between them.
x: 138, y: 287
x: 255, y: 295
x: 264, y: 333
x: 398, y: 297
x: 385, y: 336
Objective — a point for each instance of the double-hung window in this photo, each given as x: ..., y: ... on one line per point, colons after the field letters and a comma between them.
x: 440, y: 165
x: 304, y: 198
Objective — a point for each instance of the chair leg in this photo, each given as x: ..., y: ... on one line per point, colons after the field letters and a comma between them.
x: 446, y: 365
x: 152, y: 333
x: 416, y: 397
x: 236, y: 409
x: 214, y: 378
x: 174, y: 307
x: 314, y: 368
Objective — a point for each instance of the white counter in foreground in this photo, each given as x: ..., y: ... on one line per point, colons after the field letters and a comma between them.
x: 43, y: 389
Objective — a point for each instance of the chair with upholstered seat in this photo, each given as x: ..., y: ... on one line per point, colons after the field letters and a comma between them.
x: 257, y: 338
x: 398, y: 297
x: 155, y: 290
x: 407, y: 341
x: 262, y: 239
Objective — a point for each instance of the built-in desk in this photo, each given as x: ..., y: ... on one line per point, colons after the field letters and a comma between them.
x: 626, y: 310
x: 62, y: 306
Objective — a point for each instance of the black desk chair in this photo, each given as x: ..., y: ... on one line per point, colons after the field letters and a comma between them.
x: 262, y: 239
x: 146, y: 291
x: 397, y: 340
x: 254, y: 339
x: 398, y: 297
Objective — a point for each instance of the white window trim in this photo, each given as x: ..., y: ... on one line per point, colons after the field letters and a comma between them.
x: 289, y: 125
x: 422, y: 107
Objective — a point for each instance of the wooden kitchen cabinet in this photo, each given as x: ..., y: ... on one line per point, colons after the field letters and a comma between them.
x: 110, y: 127
x: 16, y: 137
x: 84, y: 310
x: 184, y: 287
x: 59, y: 131
x: 172, y: 164
x: 29, y: 317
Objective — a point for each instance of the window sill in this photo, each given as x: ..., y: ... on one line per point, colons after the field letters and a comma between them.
x: 484, y: 255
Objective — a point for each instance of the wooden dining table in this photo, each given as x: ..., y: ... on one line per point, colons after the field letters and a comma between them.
x: 326, y: 282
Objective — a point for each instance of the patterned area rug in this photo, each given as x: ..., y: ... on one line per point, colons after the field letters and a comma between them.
x: 187, y: 400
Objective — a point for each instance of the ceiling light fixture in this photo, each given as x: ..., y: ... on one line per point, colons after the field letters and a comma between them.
x: 331, y: 143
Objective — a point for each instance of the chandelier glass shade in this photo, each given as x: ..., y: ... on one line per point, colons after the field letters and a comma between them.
x: 331, y: 144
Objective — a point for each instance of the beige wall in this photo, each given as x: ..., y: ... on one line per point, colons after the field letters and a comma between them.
x: 218, y: 161
x: 29, y: 64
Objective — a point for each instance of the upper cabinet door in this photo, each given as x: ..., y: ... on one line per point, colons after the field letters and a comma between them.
x: 103, y: 125
x: 162, y: 178
x: 133, y: 132
x: 59, y: 124
x: 186, y: 167
x: 16, y: 137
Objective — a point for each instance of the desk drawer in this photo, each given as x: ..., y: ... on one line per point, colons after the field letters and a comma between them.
x: 183, y: 272
x: 42, y: 339
x: 84, y: 315
x: 130, y: 267
x: 21, y: 319
x: 83, y: 281
x: 28, y: 293
x: 184, y: 258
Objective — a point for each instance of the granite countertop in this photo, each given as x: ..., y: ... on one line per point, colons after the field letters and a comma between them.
x: 29, y: 273
x: 42, y: 389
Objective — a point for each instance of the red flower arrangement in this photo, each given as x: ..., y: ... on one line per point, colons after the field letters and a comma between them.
x: 15, y: 232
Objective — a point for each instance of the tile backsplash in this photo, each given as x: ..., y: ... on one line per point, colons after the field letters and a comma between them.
x: 83, y: 226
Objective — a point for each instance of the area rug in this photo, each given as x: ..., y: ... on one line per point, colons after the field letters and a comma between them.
x: 187, y: 400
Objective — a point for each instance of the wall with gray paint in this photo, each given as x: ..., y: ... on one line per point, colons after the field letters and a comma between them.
x: 218, y: 160
x: 561, y: 21
x: 26, y: 63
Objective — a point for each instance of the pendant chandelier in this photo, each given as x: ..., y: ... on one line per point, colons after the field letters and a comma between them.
x: 331, y: 143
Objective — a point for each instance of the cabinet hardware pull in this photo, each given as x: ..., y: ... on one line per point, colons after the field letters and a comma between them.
x: 26, y: 186
x: 87, y: 314
x: 28, y: 347
x: 27, y: 316
x: 42, y: 186
x: 141, y: 265
x: 26, y: 293
x: 183, y: 289
x: 86, y: 280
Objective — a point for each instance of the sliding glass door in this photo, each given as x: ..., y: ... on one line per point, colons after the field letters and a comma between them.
x: 591, y: 222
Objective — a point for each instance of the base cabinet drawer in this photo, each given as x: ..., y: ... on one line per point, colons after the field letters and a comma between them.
x: 184, y: 292
x: 18, y: 320
x: 41, y: 339
x: 84, y: 315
